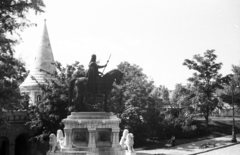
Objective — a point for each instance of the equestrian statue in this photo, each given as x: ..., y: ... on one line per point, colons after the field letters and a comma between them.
x: 94, y: 85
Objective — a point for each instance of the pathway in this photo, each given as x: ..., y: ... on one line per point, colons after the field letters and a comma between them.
x: 192, y: 148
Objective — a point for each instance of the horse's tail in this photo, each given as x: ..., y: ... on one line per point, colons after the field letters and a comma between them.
x: 71, y: 88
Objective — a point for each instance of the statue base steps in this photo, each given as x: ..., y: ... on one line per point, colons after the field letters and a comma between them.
x: 130, y: 153
x: 91, y: 133
x: 68, y: 153
x: 88, y: 153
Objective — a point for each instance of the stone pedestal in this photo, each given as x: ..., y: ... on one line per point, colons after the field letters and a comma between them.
x: 91, y: 133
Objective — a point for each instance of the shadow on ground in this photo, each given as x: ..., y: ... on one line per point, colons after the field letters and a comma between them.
x: 214, y: 143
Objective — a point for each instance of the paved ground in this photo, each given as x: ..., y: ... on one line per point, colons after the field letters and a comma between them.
x: 193, y: 148
x: 230, y: 150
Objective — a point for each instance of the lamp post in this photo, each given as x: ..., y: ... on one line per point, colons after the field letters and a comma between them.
x: 234, y: 139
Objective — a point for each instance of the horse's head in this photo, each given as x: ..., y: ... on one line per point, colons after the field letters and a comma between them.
x: 110, y: 77
x: 119, y: 76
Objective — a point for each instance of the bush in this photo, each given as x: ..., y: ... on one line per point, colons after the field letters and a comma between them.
x: 189, y: 131
x: 180, y: 126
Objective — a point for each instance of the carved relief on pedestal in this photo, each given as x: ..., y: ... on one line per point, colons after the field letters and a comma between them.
x: 80, y: 137
x: 103, y: 137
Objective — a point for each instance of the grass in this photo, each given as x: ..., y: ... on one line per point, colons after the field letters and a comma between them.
x: 216, y: 128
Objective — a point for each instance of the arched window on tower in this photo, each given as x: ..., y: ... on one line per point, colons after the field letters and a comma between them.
x: 39, y: 98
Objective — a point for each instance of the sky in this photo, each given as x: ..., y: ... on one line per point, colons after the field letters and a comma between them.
x: 156, y: 35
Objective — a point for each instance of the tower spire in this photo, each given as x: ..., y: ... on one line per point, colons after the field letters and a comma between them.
x: 43, y: 61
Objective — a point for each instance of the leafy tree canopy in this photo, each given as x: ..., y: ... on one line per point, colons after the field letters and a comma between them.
x: 131, y: 101
x: 12, y: 74
x: 181, y: 95
x: 205, y: 81
x: 162, y: 93
x: 231, y: 91
x: 13, y: 17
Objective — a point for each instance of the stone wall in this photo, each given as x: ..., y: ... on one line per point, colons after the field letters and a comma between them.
x: 16, y: 127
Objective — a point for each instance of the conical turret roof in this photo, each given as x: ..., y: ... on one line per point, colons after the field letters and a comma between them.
x: 43, y: 60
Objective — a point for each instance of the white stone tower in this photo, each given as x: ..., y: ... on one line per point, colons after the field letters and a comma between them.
x: 43, y: 60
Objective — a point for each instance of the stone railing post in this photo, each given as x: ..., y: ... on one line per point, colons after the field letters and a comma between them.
x: 92, y: 137
x: 68, y: 138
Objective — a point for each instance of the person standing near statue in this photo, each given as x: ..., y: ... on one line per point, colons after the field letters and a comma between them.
x: 93, y: 74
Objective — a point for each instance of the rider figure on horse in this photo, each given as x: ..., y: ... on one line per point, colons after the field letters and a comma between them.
x: 93, y: 75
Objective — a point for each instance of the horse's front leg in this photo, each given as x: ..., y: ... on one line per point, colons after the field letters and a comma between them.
x: 78, y: 102
x: 81, y: 102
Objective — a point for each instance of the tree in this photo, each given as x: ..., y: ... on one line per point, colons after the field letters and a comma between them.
x: 131, y: 102
x: 12, y: 72
x: 160, y: 95
x: 54, y: 107
x: 181, y: 96
x: 156, y: 93
x: 232, y: 87
x: 164, y: 94
x: 13, y: 17
x: 205, y: 81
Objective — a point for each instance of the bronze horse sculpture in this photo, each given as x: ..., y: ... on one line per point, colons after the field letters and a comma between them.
x: 104, y: 86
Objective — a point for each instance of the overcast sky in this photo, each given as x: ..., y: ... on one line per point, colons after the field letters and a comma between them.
x: 156, y: 35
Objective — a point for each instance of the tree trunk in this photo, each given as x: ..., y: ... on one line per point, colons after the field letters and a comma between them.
x: 206, y: 119
x: 207, y: 116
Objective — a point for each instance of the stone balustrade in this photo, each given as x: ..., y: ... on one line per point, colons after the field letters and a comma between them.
x: 17, y: 116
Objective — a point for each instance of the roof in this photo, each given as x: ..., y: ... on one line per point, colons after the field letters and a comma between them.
x: 43, y: 60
